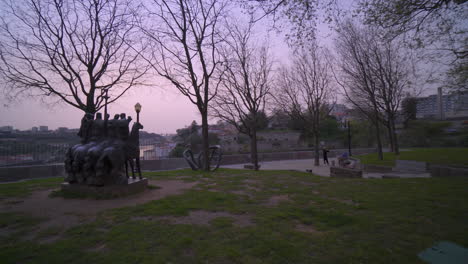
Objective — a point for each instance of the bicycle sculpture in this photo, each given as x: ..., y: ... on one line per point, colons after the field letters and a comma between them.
x: 196, y: 161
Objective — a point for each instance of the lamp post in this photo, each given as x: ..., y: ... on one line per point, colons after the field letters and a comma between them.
x: 137, y: 110
x: 349, y: 137
x: 106, y: 97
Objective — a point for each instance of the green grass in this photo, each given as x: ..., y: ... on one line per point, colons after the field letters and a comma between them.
x: 24, y: 188
x: 349, y: 221
x: 443, y: 156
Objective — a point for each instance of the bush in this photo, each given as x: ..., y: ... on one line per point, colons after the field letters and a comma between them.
x: 426, y: 134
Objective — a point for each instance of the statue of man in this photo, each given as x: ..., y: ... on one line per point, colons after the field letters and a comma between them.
x: 112, y: 127
x: 85, y: 129
x: 123, y: 128
x: 97, y: 129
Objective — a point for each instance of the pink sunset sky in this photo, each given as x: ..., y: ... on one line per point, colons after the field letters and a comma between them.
x: 164, y: 108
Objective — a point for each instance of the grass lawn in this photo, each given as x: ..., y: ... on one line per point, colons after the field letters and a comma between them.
x: 444, y: 156
x: 24, y: 188
x: 260, y: 217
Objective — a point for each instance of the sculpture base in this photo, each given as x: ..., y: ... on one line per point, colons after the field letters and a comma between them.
x: 340, y: 172
x: 104, y: 192
x: 251, y: 166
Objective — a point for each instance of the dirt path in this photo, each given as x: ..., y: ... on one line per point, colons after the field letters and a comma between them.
x: 65, y: 213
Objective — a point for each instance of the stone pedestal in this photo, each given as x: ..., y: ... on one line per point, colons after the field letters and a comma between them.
x: 109, y: 191
x: 339, y: 172
x: 251, y: 166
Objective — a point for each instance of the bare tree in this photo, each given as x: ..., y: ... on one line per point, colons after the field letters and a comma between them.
x: 357, y: 78
x: 245, y: 88
x: 305, y: 90
x: 438, y: 28
x: 298, y: 19
x: 375, y: 75
x: 390, y: 69
x: 184, y: 36
x: 73, y: 51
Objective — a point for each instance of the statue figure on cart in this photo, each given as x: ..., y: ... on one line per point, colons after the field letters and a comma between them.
x: 106, y: 149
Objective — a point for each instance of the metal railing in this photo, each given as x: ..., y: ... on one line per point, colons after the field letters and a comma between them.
x: 32, y: 152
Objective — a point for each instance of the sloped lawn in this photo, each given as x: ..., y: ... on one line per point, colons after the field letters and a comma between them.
x: 443, y: 156
x: 236, y: 216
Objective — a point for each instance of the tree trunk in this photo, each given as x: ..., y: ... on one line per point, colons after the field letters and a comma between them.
x: 205, y: 140
x: 379, y: 140
x: 395, y: 138
x: 390, y: 137
x: 377, y: 131
x: 370, y: 138
x: 317, y: 151
x: 253, y: 149
x: 90, y: 107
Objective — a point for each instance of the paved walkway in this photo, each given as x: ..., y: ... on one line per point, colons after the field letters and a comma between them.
x: 321, y: 170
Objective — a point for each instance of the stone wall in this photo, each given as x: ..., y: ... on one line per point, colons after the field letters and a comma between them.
x: 338, y: 172
x: 376, y: 168
x: 445, y: 171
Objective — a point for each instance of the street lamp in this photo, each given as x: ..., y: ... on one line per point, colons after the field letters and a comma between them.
x: 137, y: 110
x: 348, y: 125
x: 106, y: 97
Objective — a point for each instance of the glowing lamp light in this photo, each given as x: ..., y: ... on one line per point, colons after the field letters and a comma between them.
x: 138, y: 107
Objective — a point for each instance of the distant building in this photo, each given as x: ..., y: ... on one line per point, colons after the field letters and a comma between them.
x: 34, y: 129
x: 6, y: 129
x: 73, y: 130
x: 273, y: 140
x: 147, y: 152
x: 440, y: 106
x: 279, y: 120
x: 156, y: 151
x: 43, y: 128
x: 62, y: 130
x: 340, y: 112
x: 163, y: 150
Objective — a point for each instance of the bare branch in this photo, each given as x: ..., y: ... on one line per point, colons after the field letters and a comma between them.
x: 70, y: 50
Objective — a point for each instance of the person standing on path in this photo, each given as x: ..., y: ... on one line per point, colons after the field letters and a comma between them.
x: 325, y: 155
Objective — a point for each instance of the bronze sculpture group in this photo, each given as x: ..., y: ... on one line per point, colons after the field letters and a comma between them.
x: 106, y: 150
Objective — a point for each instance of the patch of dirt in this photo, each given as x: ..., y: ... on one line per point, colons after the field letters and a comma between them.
x: 50, y: 239
x: 237, y: 192
x: 99, y: 248
x: 251, y: 182
x: 200, y: 217
x: 6, y: 231
x: 345, y: 201
x: 188, y: 252
x: 306, y: 229
x: 253, y: 185
x: 184, y: 177
x: 244, y: 192
x: 308, y: 183
x: 69, y: 212
x: 277, y: 199
x: 12, y: 201
x: 101, y: 229
x: 253, y: 188
x: 240, y: 192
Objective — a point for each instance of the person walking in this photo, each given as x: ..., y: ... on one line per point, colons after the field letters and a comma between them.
x: 325, y: 155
